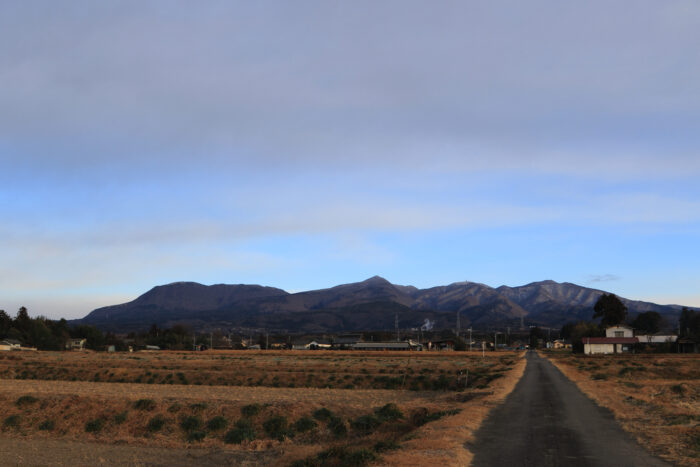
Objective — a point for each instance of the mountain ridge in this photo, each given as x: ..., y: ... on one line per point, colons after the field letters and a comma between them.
x: 354, y: 306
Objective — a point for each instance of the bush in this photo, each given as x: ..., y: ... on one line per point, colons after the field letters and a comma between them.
x: 365, y: 423
x: 217, y: 423
x: 382, y: 446
x: 11, y: 422
x: 196, y: 436
x: 337, y: 427
x: 422, y: 415
x: 198, y: 406
x: 155, y: 423
x: 47, y: 425
x: 678, y: 389
x: 243, y: 430
x: 388, y: 412
x: 145, y: 404
x: 304, y: 424
x: 340, y: 456
x: 276, y: 427
x: 120, y: 418
x: 599, y: 376
x: 25, y: 400
x: 94, y: 426
x: 251, y: 410
x: 323, y: 414
x: 191, y: 423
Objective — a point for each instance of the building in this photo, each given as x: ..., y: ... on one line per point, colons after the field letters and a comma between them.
x: 618, y: 339
x: 657, y: 339
x: 346, y: 341
x: 10, y: 344
x: 76, y: 344
x: 405, y: 345
x: 313, y: 345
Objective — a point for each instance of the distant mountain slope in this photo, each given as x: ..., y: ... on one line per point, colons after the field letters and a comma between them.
x: 370, y: 304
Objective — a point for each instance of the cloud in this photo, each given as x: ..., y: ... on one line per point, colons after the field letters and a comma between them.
x: 459, y: 87
x: 602, y: 278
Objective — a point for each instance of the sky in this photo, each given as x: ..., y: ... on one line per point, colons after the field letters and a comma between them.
x: 311, y: 143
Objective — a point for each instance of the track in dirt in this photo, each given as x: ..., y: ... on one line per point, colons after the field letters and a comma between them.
x: 548, y: 421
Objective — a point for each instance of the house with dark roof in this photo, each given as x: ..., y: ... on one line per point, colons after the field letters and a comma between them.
x: 618, y: 339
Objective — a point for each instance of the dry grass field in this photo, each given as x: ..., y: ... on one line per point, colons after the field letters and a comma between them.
x: 302, y: 408
x: 655, y: 397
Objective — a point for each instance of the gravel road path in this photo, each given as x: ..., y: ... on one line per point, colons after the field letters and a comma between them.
x: 548, y: 421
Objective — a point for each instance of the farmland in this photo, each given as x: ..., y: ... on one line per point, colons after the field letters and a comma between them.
x: 656, y: 398
x: 305, y: 407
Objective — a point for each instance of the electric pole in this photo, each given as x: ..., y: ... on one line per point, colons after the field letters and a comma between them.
x: 396, y: 325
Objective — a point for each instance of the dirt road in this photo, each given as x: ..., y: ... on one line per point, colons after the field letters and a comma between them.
x: 547, y: 421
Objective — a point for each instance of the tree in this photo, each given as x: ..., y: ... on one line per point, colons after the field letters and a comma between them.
x: 536, y: 334
x: 577, y: 331
x: 5, y: 323
x: 689, y: 323
x: 610, y: 309
x: 649, y: 322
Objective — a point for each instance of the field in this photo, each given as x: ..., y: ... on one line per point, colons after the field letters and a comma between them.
x: 308, y: 408
x: 656, y: 398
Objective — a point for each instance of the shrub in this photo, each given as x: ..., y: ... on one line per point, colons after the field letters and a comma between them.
x: 388, y: 412
x: 365, y: 423
x: 382, y: 446
x: 678, y: 389
x: 323, y: 414
x: 47, y: 425
x: 120, y: 418
x: 337, y: 427
x: 243, y: 430
x: 11, y: 422
x: 191, y: 423
x: 155, y: 423
x: 145, y: 404
x: 25, y: 400
x: 359, y: 457
x: 340, y: 456
x: 198, y: 406
x: 276, y: 427
x: 196, y: 436
x: 304, y: 424
x: 599, y: 376
x: 217, y: 423
x: 94, y: 425
x: 174, y: 408
x: 251, y: 410
x: 422, y: 416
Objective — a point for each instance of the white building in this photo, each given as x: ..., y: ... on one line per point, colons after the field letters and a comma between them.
x: 618, y: 339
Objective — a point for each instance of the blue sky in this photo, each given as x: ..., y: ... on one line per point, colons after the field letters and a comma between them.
x: 306, y: 144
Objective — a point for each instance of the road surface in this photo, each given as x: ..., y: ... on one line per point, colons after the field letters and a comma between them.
x: 548, y: 421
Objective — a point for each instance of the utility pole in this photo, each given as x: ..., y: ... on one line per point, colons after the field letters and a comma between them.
x: 470, y: 338
x: 457, y: 324
x: 396, y: 325
x: 267, y: 340
x: 211, y: 341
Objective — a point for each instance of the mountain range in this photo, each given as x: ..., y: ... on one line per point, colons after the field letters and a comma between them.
x: 373, y: 304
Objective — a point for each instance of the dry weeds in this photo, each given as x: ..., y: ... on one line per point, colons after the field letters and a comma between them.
x: 107, y: 412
